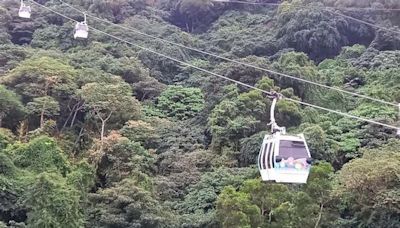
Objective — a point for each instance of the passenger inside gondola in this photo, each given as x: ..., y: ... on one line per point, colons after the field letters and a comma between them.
x: 293, y: 155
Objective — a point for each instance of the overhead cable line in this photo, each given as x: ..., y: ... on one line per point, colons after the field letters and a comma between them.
x: 234, y: 61
x: 327, y: 7
x: 330, y: 9
x: 363, y: 22
x: 221, y: 76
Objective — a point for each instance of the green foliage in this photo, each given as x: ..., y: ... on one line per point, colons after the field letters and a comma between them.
x: 241, y: 115
x: 44, y: 107
x: 259, y: 204
x: 317, y: 142
x: 236, y: 210
x: 107, y: 102
x: 298, y: 65
x: 180, y: 103
x: 368, y: 183
x: 140, y: 131
x: 7, y: 167
x: 242, y: 34
x: 188, y: 159
x: 42, y: 76
x: 316, y: 31
x: 40, y: 155
x: 10, y: 56
x: 106, y: 99
x: 230, y: 120
x: 9, y: 104
x: 249, y: 149
x: 122, y: 158
x: 202, y: 195
x: 227, y: 126
x: 52, y: 203
x: 6, y: 138
x: 126, y: 205
x: 352, y: 52
x: 81, y: 177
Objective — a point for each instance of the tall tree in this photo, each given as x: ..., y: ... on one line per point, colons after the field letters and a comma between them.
x: 104, y: 100
x: 48, y: 80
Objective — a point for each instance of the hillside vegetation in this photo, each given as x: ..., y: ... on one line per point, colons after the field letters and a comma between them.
x: 101, y: 133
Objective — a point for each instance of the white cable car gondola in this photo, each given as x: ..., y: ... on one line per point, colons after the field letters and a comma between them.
x: 283, y: 158
x: 81, y: 29
x: 24, y: 10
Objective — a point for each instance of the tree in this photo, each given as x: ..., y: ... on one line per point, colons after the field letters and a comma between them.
x: 11, y: 56
x: 317, y: 142
x: 250, y: 147
x: 42, y: 76
x: 180, y: 103
x: 6, y: 138
x: 126, y: 205
x: 43, y: 106
x: 9, y: 102
x: 319, y: 187
x: 368, y: 187
x: 236, y: 210
x: 11, y: 191
x: 104, y: 100
x: 122, y: 158
x: 41, y: 154
x: 203, y: 195
x: 148, y: 88
x: 5, y: 19
x: 142, y: 132
x: 47, y: 79
x: 236, y: 117
x: 316, y: 31
x: 53, y: 203
x: 235, y: 34
x: 193, y: 10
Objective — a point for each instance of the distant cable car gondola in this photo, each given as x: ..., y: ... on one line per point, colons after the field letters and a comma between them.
x: 24, y: 10
x: 283, y: 158
x: 81, y: 29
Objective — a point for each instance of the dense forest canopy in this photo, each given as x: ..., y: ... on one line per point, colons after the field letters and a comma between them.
x: 101, y: 133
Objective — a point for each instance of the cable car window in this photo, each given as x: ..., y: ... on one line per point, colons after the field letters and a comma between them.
x: 271, y: 156
x: 259, y: 158
x: 263, y: 156
x: 294, y: 149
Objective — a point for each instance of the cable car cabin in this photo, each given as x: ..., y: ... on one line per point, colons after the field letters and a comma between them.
x: 24, y: 11
x: 81, y: 30
x: 284, y: 159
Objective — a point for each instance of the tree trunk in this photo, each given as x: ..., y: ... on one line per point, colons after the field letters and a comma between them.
x: 187, y: 27
x: 103, y: 125
x: 77, y: 139
x: 2, y: 115
x: 74, y: 117
x: 319, y: 215
x: 143, y: 96
x: 46, y: 88
x: 42, y: 117
x: 69, y: 117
